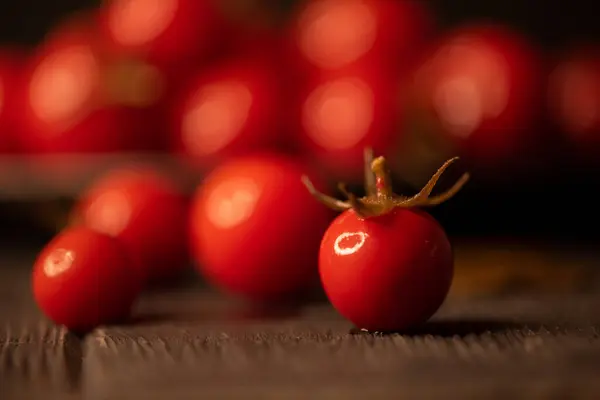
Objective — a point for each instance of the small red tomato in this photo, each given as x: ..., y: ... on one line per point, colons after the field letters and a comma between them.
x: 83, y: 279
x: 75, y: 98
x: 574, y: 98
x: 167, y: 33
x: 383, y: 265
x: 146, y: 211
x: 254, y: 229
x: 333, y: 34
x: 229, y: 109
x: 480, y: 87
x: 11, y: 63
x: 345, y: 111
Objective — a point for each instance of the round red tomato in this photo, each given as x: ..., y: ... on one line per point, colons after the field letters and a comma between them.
x: 333, y: 34
x: 255, y: 231
x: 77, y: 99
x: 346, y: 111
x: 232, y: 108
x: 574, y: 98
x: 83, y: 279
x: 11, y: 63
x: 385, y: 265
x: 146, y: 212
x: 167, y: 33
x: 480, y: 87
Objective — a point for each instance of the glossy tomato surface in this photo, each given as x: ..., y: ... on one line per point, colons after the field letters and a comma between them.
x: 345, y: 111
x: 333, y: 34
x: 168, y: 33
x: 78, y: 99
x: 386, y: 273
x: 255, y: 230
x: 146, y: 212
x: 83, y: 279
x: 480, y: 87
x: 574, y: 98
x: 229, y: 109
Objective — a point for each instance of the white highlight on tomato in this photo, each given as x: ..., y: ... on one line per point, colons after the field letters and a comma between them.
x: 57, y: 262
x: 232, y: 202
x: 63, y: 83
x: 357, y: 238
x: 109, y: 213
x: 337, y: 115
x: 217, y: 115
x: 579, y: 96
x: 333, y: 33
x: 137, y: 22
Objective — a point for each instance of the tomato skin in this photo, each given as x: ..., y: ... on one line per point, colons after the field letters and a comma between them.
x: 99, y: 285
x: 255, y: 230
x: 146, y: 212
x: 11, y: 64
x: 394, y: 272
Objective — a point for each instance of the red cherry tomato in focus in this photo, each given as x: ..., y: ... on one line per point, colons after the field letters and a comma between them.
x: 386, y: 273
x: 481, y: 87
x: 229, y: 110
x: 333, y: 34
x: 574, y: 96
x: 77, y: 99
x: 168, y: 33
x: 344, y: 112
x: 83, y: 279
x: 11, y: 63
x: 255, y: 230
x: 146, y: 212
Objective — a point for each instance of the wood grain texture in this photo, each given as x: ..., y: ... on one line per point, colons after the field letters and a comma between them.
x: 512, y: 348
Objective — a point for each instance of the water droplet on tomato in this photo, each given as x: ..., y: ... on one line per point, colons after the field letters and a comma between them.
x: 57, y: 262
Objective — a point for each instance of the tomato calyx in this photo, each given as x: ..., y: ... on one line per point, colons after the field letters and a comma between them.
x: 380, y: 198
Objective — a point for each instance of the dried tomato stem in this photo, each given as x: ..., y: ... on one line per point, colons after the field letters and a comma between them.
x: 383, y: 182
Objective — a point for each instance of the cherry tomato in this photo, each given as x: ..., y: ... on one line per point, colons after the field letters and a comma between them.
x: 78, y: 99
x: 146, y: 211
x: 83, y: 279
x: 345, y: 111
x: 385, y: 265
x: 167, y: 33
x: 11, y: 63
x: 480, y: 87
x: 229, y: 109
x: 255, y: 231
x: 574, y: 98
x: 333, y: 34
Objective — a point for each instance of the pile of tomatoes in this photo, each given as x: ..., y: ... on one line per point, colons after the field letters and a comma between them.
x: 253, y: 104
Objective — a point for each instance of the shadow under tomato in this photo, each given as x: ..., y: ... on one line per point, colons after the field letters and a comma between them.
x: 461, y: 328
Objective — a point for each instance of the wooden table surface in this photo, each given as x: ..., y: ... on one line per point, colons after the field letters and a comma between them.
x: 193, y: 343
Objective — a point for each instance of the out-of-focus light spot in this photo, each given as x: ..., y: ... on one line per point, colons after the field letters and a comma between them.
x: 63, y: 83
x: 579, y: 96
x: 337, y: 115
x: 473, y: 86
x: 57, y: 262
x: 333, y: 33
x: 217, y: 115
x: 349, y: 243
x: 136, y: 22
x: 232, y: 203
x: 109, y: 213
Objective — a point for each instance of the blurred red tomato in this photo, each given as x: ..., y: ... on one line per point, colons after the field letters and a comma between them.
x: 166, y: 33
x: 255, y: 230
x: 480, y: 87
x: 11, y: 64
x: 332, y: 34
x: 574, y: 98
x: 146, y: 211
x: 75, y: 98
x: 228, y: 109
x: 345, y: 111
